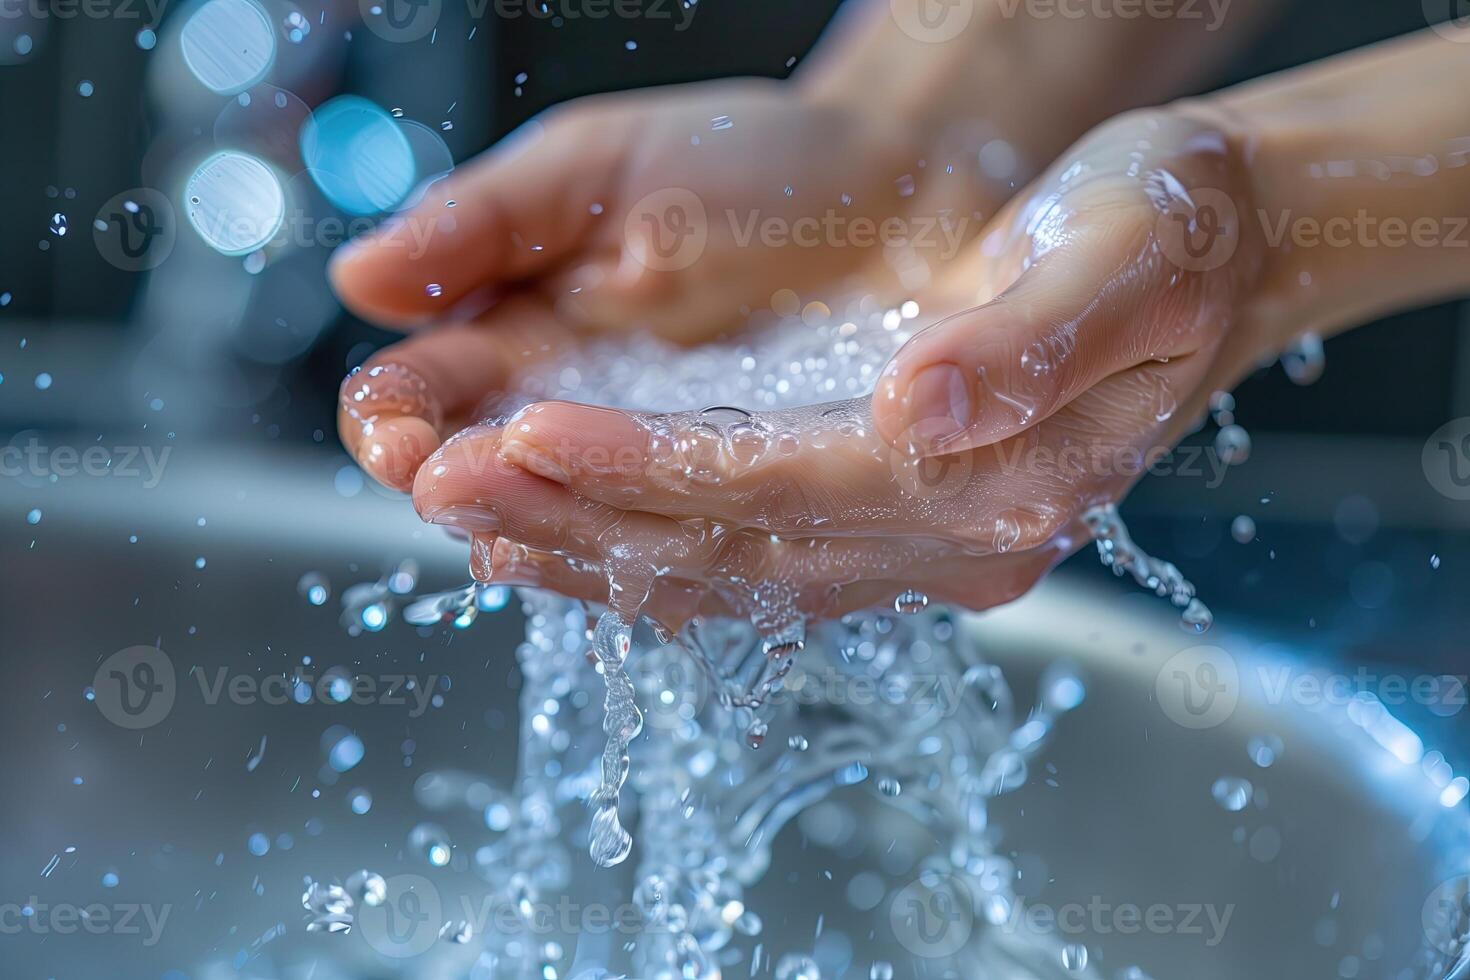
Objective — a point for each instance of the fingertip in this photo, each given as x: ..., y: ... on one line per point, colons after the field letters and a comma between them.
x: 924, y: 407
x: 564, y: 441
x: 392, y: 451
x: 369, y: 286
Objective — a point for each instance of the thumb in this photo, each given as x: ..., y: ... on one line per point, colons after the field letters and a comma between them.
x: 1091, y: 308
x: 519, y: 208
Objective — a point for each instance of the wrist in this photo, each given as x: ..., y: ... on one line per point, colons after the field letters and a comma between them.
x: 1358, y: 186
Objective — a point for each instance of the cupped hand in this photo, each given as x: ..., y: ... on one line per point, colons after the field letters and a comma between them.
x: 678, y: 211
x: 675, y: 211
x: 1096, y: 316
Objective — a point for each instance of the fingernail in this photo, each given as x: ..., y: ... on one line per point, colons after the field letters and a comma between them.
x: 529, y: 457
x: 471, y: 519
x: 939, y: 403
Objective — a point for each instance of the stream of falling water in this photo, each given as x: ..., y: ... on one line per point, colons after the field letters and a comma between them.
x: 938, y: 737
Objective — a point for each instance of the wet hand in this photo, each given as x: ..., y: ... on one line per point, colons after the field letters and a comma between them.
x: 1089, y: 327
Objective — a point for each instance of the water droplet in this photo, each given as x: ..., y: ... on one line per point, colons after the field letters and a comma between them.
x: 314, y: 588
x: 431, y: 842
x: 1233, y: 445
x: 909, y: 602
x: 367, y: 888
x: 1304, y: 359
x: 1264, y: 750
x: 1074, y: 957
x: 1232, y: 793
x: 295, y: 26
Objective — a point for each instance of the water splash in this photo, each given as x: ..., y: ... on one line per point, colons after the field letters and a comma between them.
x: 1117, y: 550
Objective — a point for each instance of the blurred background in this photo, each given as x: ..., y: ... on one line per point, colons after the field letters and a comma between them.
x: 221, y: 367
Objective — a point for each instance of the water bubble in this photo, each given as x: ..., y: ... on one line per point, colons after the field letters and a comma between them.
x: 85, y: 89
x: 58, y: 225
x: 889, y: 786
x: 1232, y: 793
x: 43, y: 381
x: 433, y: 289
x: 1243, y: 529
x: 229, y: 45
x: 881, y: 970
x: 33, y: 516
x: 258, y: 844
x: 235, y: 202
x: 146, y: 39
x: 797, y: 743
